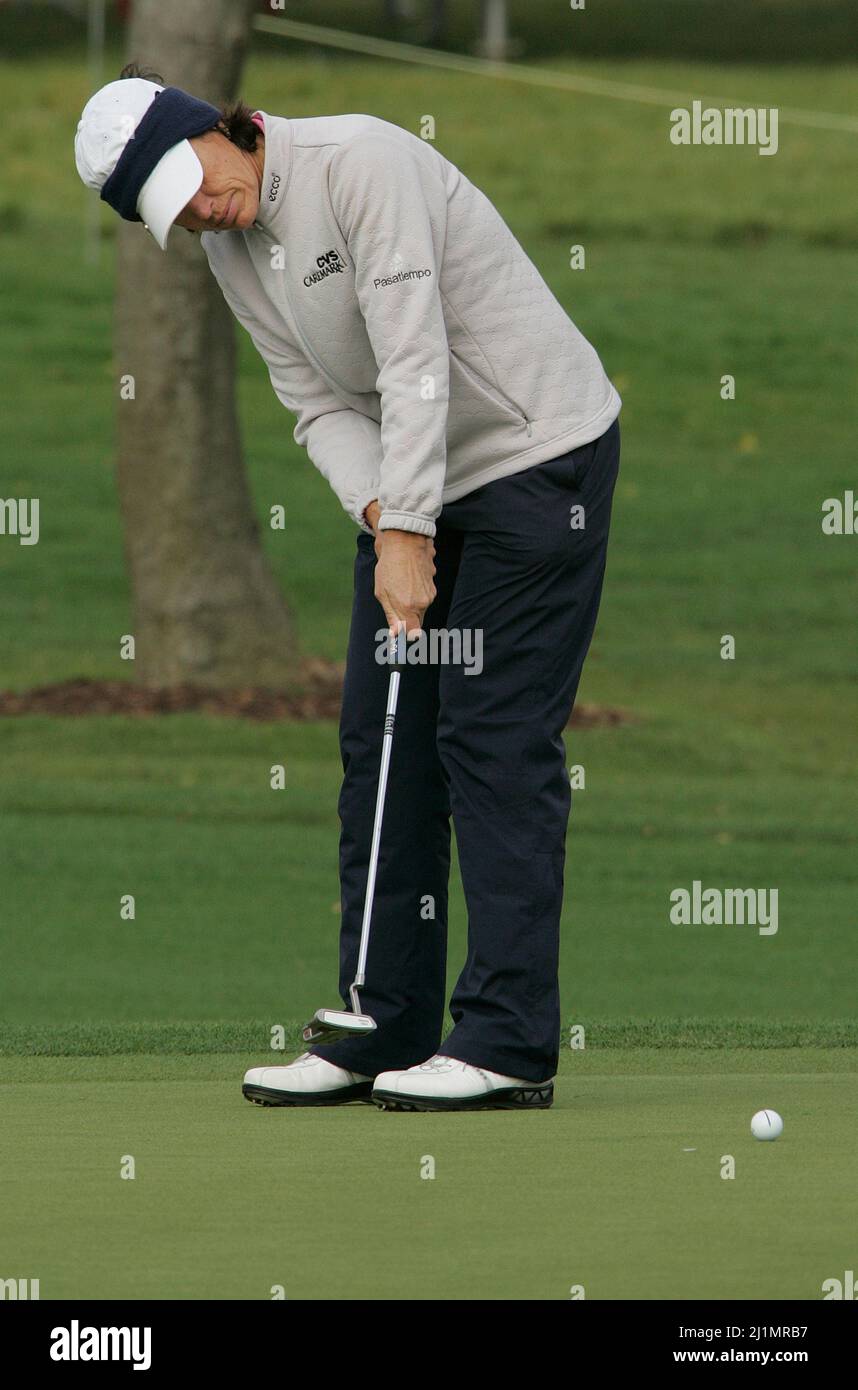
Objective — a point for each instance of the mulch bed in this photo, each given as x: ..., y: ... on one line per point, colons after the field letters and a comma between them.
x: 317, y: 697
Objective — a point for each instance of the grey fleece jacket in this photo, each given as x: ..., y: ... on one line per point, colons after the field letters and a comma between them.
x: 401, y: 322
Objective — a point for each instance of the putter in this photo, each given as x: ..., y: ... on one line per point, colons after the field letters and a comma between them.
x: 326, y: 1025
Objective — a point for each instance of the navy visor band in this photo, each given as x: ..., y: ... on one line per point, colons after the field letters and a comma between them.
x: 174, y: 115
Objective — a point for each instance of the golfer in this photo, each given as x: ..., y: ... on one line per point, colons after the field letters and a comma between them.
x: 470, y: 432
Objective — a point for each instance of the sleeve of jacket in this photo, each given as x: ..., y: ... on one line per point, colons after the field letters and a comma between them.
x: 393, y: 215
x: 344, y: 445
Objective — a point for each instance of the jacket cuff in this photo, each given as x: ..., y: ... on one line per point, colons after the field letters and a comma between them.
x: 361, y: 502
x: 406, y: 521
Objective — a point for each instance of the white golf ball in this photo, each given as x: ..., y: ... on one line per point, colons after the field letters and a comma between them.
x: 767, y: 1124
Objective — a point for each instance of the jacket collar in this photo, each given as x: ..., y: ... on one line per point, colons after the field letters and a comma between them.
x: 277, y: 169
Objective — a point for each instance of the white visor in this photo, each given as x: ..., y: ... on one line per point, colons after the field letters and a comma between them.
x: 177, y: 176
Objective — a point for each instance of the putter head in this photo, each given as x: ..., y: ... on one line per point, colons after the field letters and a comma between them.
x: 328, y: 1024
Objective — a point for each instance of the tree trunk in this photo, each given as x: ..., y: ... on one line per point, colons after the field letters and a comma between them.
x: 494, y: 42
x: 206, y: 607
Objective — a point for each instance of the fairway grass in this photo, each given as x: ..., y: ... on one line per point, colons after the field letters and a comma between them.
x: 237, y: 897
x: 618, y: 1188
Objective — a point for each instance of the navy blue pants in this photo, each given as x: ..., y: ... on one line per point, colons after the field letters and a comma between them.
x: 487, y: 749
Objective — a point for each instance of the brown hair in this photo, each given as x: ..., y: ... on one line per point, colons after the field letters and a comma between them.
x: 239, y: 125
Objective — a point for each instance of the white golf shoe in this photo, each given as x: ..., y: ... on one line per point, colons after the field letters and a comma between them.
x: 309, y: 1080
x: 443, y: 1083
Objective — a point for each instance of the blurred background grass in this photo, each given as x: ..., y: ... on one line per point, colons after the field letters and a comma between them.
x: 699, y: 263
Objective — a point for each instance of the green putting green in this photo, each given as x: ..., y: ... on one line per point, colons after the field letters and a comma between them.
x: 617, y: 1189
